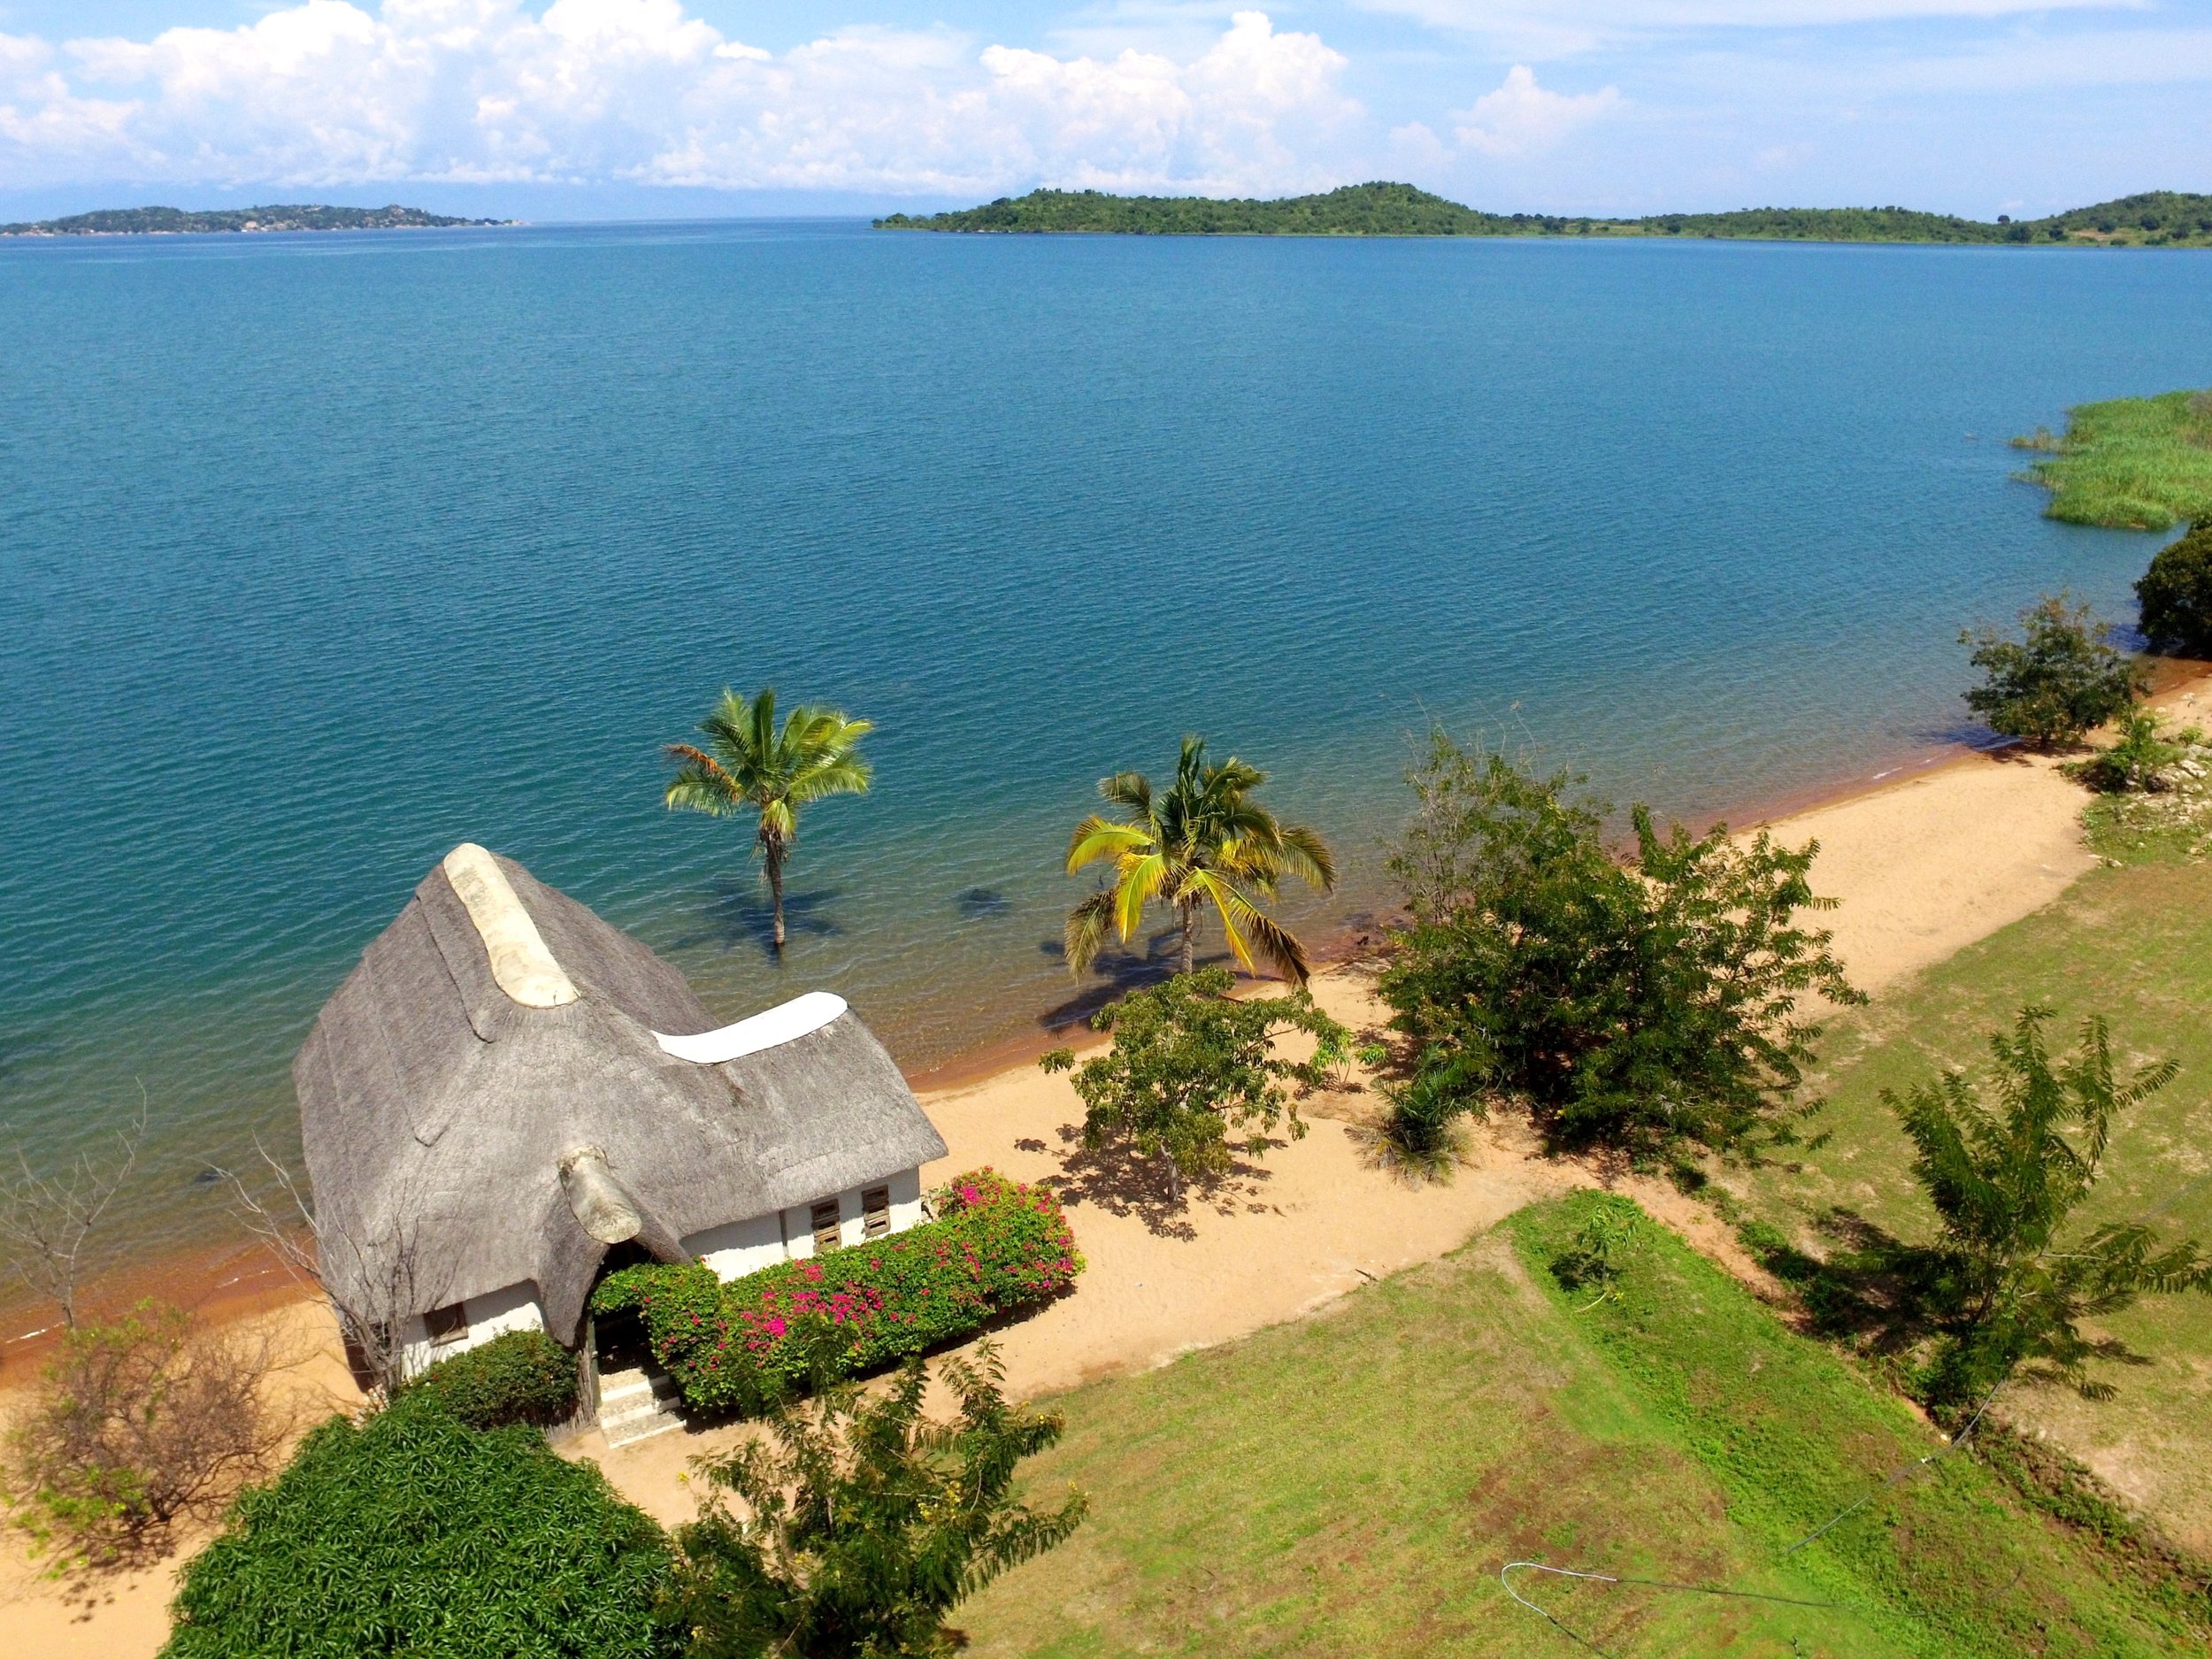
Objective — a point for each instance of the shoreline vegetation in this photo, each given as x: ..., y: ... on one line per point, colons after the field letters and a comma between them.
x: 173, y: 221
x: 1895, y: 850
x: 2157, y: 218
x: 2128, y: 464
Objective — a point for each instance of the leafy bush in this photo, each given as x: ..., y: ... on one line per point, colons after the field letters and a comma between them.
x: 2138, y: 762
x: 1642, y: 1005
x: 746, y: 1345
x: 864, y: 1523
x: 1419, y: 1137
x: 2011, y: 1282
x: 135, y: 1423
x: 522, y: 1377
x: 414, y: 1533
x: 1592, y: 1259
x: 2176, y: 593
x: 1189, y: 1063
x: 2062, y: 679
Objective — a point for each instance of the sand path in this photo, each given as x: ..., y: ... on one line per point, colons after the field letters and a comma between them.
x: 1922, y: 868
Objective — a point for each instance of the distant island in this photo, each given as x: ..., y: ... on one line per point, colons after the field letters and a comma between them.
x: 2157, y: 218
x: 173, y: 221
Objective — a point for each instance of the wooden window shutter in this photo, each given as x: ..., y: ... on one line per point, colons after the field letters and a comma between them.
x: 449, y: 1323
x: 875, y: 1207
x: 828, y: 1220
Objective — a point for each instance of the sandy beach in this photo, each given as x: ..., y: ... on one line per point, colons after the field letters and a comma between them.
x: 1922, y: 866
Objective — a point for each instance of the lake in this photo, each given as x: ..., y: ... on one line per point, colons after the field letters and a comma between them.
x: 319, y: 554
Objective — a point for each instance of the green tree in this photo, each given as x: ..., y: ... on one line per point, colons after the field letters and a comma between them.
x: 2176, y: 593
x: 2060, y: 679
x: 1205, y: 841
x: 2011, y: 1278
x: 1639, y: 1005
x: 864, y: 1523
x: 751, y: 764
x: 1189, y: 1063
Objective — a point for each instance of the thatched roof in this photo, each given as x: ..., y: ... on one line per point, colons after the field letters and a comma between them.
x: 495, y: 1033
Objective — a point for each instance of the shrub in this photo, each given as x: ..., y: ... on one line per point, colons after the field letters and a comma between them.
x: 746, y: 1345
x: 2138, y: 762
x: 1592, y: 1259
x: 1639, y: 1006
x: 2062, y: 679
x: 522, y: 1377
x: 2009, y: 1281
x: 2176, y: 593
x: 134, y: 1424
x: 1189, y: 1063
x: 1420, y: 1137
x: 864, y: 1523
x: 414, y: 1533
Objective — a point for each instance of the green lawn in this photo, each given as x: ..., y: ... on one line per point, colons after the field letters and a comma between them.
x: 2134, y: 944
x: 1351, y: 1482
x: 2132, y: 463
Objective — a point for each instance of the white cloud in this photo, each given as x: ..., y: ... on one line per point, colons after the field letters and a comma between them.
x: 325, y: 92
x: 1559, y: 28
x: 1521, y: 117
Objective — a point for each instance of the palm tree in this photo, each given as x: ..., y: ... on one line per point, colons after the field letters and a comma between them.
x: 751, y: 764
x: 1206, y: 842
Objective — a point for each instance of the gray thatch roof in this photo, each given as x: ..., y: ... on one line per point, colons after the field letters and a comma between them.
x: 437, y: 1109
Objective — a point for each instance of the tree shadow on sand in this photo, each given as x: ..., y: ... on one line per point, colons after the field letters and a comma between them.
x: 1120, y: 1182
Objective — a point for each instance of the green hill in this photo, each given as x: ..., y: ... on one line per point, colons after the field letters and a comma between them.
x: 172, y: 221
x: 2157, y: 218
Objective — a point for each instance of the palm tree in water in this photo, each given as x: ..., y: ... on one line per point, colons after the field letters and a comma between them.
x: 751, y: 764
x: 1205, y: 843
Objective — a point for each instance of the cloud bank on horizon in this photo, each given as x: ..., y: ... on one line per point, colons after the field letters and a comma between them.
x: 1596, y: 104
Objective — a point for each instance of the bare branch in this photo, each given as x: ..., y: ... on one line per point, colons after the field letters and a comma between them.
x: 49, y: 1224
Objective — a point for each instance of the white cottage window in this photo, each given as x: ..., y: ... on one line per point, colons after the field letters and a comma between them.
x: 447, y: 1325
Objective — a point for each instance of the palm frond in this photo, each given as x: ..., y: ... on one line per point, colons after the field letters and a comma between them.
x: 1084, y: 934
x: 1306, y: 855
x: 1141, y: 878
x: 1268, y: 937
x: 1129, y: 789
x: 1097, y: 838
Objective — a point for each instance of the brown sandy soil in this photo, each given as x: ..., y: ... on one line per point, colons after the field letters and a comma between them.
x: 1922, y: 868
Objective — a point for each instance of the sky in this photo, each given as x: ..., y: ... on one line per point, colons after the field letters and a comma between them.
x: 658, y: 108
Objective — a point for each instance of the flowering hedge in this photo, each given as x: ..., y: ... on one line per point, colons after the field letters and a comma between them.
x: 995, y: 1244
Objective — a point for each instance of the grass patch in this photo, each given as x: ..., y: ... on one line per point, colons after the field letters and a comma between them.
x: 1351, y: 1482
x: 2135, y: 944
x: 2131, y: 463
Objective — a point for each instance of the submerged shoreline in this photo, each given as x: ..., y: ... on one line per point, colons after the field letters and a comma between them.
x: 236, y: 1278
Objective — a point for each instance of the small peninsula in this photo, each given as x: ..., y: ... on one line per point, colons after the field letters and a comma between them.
x: 172, y: 221
x: 2153, y: 219
x: 2129, y: 463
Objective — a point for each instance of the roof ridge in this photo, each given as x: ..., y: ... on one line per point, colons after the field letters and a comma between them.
x: 522, y: 965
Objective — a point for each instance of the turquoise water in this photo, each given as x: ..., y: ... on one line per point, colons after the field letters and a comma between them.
x: 320, y: 554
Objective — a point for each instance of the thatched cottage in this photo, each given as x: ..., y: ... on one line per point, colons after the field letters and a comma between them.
x: 508, y: 1088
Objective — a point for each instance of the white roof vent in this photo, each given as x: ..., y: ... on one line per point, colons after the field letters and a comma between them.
x: 779, y: 1024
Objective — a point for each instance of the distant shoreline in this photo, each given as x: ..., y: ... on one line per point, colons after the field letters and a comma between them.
x: 251, y: 221
x: 2158, y: 219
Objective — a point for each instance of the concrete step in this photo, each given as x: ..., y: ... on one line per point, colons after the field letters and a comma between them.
x: 635, y: 1406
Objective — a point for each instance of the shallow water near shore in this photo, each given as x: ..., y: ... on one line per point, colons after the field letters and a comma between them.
x: 319, y: 554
